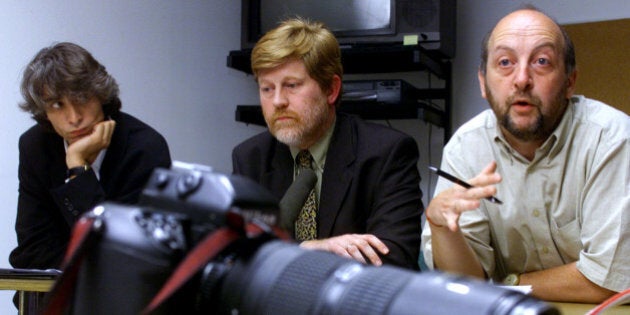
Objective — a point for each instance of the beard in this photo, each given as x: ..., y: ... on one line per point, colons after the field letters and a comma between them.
x: 542, y: 126
x: 306, y: 128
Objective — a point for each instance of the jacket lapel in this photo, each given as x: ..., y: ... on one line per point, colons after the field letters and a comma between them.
x: 279, y: 175
x: 115, y: 152
x: 57, y: 161
x: 337, y: 175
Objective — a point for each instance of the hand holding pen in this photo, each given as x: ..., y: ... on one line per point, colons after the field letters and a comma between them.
x: 447, y: 206
x: 461, y: 183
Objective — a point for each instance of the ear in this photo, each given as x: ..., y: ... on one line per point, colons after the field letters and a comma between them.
x: 571, y: 84
x: 482, y: 82
x: 335, y: 89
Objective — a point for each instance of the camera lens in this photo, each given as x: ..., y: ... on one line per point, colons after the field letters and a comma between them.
x: 282, y: 278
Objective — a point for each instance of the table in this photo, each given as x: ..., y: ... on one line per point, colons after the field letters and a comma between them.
x: 581, y: 309
x: 30, y: 284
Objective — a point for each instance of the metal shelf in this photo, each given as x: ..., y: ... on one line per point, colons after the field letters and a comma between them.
x: 380, y: 58
x: 252, y: 114
x: 376, y: 59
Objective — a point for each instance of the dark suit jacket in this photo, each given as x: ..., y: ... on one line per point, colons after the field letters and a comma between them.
x: 48, y: 207
x: 370, y: 183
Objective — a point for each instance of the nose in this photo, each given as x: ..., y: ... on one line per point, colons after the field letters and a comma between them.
x: 279, y: 98
x: 523, y: 78
x: 73, y: 114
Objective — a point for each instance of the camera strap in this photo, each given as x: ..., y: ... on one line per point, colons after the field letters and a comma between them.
x: 84, y: 235
x: 209, y: 247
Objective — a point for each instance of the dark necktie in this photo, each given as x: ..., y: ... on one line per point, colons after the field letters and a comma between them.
x: 306, y: 223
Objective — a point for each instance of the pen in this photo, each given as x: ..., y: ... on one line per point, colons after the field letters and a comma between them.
x: 461, y: 183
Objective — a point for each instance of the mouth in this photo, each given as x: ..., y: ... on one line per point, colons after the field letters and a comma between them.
x: 80, y: 133
x: 522, y: 102
x: 523, y: 105
x: 283, y: 117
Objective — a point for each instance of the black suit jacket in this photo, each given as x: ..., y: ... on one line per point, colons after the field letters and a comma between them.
x: 370, y: 183
x: 48, y: 207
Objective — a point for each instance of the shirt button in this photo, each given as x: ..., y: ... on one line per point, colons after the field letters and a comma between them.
x: 536, y: 213
x: 545, y: 250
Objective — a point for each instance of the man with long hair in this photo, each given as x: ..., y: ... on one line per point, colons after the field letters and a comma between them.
x: 82, y: 151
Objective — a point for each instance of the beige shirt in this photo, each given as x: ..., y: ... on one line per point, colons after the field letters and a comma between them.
x: 570, y: 203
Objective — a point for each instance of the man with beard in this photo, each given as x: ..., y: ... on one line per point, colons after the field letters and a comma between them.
x: 559, y: 162
x: 367, y: 195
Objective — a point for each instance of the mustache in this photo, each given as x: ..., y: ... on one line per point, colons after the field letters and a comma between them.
x: 523, y: 97
x: 283, y: 113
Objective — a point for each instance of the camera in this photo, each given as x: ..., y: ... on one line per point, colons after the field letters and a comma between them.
x: 140, y: 249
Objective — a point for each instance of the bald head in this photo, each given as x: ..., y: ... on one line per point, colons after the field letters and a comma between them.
x: 529, y: 23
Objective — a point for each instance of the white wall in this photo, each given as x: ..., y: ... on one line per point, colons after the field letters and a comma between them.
x: 169, y: 58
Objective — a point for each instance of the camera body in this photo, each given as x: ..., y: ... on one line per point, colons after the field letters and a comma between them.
x: 136, y: 251
x: 140, y: 247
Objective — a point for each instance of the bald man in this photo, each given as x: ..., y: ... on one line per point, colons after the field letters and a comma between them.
x: 558, y: 161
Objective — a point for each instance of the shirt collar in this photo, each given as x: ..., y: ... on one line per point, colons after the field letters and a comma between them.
x: 550, y: 147
x: 319, y: 149
x: 561, y: 134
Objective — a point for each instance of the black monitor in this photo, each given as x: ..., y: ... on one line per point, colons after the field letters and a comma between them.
x: 428, y: 23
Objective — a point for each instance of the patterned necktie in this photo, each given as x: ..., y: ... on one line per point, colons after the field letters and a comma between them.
x: 306, y: 223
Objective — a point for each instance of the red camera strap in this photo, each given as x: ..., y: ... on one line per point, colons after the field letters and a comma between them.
x: 196, y: 259
x: 209, y: 247
x: 83, y: 235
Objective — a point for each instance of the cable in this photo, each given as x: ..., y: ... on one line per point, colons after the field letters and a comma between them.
x: 619, y: 298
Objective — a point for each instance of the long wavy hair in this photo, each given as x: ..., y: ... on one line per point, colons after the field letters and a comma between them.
x: 66, y: 69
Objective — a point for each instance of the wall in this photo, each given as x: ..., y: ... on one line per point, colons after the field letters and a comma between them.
x: 601, y: 49
x: 169, y: 59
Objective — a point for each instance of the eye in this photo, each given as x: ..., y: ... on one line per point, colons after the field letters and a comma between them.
x: 55, y: 105
x: 504, y: 62
x: 264, y: 90
x: 293, y: 85
x: 542, y: 61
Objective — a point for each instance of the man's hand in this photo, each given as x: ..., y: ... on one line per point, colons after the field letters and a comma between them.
x: 85, y: 150
x: 447, y: 206
x: 353, y: 246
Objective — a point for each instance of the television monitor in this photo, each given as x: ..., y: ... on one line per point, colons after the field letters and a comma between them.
x: 429, y: 23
